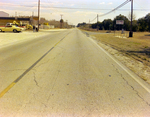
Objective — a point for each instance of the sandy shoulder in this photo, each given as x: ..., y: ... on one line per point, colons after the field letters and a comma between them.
x: 9, y: 38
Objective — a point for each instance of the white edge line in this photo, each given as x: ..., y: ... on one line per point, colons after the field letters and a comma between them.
x: 147, y: 89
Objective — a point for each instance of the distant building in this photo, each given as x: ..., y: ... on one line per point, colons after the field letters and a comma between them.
x: 3, y: 14
x: 20, y: 20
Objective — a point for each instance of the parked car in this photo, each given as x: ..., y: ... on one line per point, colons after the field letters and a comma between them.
x: 10, y: 28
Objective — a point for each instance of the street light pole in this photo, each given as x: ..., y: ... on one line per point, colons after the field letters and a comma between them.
x: 131, y: 33
x: 38, y: 14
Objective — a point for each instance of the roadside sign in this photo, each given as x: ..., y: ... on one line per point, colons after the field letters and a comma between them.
x: 120, y: 22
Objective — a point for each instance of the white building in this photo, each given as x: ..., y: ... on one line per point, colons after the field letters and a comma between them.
x: 3, y: 14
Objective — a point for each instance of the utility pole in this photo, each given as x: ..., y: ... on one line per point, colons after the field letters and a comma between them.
x: 66, y: 23
x: 32, y: 13
x: 38, y: 14
x: 131, y: 33
x: 61, y: 21
x: 97, y: 22
x: 32, y: 18
x: 61, y: 16
x: 89, y: 24
x: 15, y: 15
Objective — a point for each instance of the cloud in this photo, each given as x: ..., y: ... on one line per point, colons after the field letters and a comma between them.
x: 55, y: 3
x: 9, y: 4
x: 110, y: 3
x: 85, y: 13
x: 102, y: 3
x: 72, y: 4
x: 15, y: 6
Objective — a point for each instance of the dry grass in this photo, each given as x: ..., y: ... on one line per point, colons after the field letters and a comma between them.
x: 137, y: 47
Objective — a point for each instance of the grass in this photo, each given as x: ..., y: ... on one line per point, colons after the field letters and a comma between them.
x: 137, y: 47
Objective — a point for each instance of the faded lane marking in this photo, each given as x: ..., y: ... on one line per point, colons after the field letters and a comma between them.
x: 20, y: 77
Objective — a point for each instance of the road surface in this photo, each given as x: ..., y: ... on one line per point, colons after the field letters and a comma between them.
x: 66, y: 74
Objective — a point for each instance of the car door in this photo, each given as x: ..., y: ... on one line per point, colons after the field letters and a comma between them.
x: 8, y: 28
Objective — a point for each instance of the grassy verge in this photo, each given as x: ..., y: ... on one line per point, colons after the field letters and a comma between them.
x: 137, y: 47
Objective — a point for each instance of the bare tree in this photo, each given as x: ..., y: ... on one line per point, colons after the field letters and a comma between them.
x: 133, y: 17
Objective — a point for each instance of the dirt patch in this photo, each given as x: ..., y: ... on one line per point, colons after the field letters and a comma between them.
x: 132, y: 52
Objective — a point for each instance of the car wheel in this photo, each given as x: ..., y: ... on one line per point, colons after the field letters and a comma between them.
x: 14, y: 30
x: 0, y: 30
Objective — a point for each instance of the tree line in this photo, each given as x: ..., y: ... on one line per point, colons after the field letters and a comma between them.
x: 142, y: 24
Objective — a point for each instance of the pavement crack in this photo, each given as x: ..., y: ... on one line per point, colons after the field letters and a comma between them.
x: 36, y: 80
x: 135, y: 91
x: 44, y: 105
x: 131, y: 86
x: 42, y: 63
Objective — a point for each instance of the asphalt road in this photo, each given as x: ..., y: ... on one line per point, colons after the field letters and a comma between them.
x: 66, y: 74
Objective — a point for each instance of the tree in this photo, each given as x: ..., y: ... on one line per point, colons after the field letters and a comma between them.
x: 133, y: 17
x: 100, y: 26
x: 81, y: 24
x: 147, y: 21
x: 134, y: 25
x: 61, y: 23
x: 94, y: 26
x: 142, y: 26
x: 107, y: 24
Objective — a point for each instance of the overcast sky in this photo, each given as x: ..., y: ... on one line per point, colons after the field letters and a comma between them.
x: 76, y: 11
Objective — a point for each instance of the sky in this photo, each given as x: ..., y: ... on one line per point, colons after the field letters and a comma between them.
x: 74, y: 11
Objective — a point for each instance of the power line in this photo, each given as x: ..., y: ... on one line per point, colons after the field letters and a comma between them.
x: 114, y: 9
x: 49, y: 7
x: 93, y: 19
x: 90, y: 8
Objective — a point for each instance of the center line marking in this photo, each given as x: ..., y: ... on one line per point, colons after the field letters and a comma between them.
x: 24, y: 73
